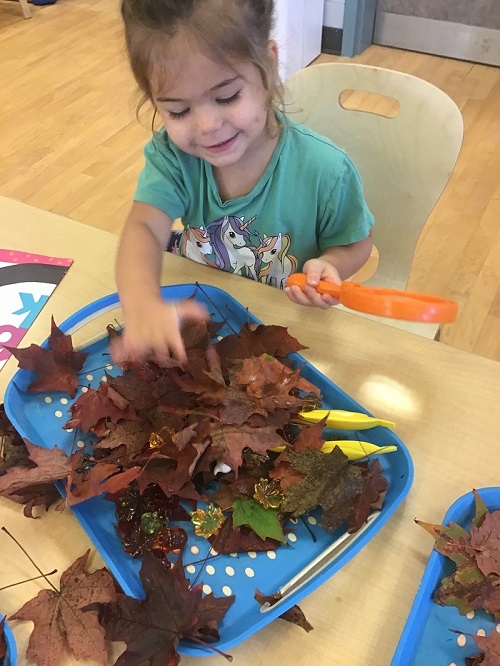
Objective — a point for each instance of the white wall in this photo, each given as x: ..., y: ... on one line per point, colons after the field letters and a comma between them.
x: 334, y: 13
x: 298, y: 31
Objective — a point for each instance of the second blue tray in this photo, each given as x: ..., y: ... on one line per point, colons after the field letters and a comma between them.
x: 39, y: 418
x: 426, y: 639
x: 10, y: 658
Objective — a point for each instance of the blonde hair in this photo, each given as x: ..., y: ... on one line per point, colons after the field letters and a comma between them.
x: 227, y: 30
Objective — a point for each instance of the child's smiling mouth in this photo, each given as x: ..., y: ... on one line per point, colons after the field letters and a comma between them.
x: 223, y: 146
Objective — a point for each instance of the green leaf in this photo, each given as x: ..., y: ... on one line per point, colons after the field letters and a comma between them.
x: 462, y: 589
x: 452, y: 541
x: 481, y: 510
x: 264, y: 522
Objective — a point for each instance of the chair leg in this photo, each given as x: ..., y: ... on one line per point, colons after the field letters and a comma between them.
x: 26, y: 9
x: 437, y: 337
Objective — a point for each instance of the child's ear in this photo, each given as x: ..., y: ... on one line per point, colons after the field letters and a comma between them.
x: 273, y: 50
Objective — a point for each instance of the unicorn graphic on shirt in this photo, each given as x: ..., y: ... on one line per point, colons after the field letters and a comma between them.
x: 196, y: 245
x: 229, y: 236
x: 276, y: 264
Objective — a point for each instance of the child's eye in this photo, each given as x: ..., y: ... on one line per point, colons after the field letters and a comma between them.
x: 230, y: 100
x: 179, y: 114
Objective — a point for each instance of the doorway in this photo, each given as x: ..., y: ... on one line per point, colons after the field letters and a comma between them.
x: 463, y: 29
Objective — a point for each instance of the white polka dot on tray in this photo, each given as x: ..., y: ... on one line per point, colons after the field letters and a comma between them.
x: 213, y: 552
x: 249, y: 572
x: 312, y: 520
x: 190, y: 569
x: 109, y: 366
x: 207, y: 589
x: 227, y: 590
x: 48, y: 399
x: 461, y: 640
x: 85, y: 389
x: 230, y: 571
x: 234, y: 554
x: 64, y: 401
x: 271, y: 554
x: 498, y: 628
x: 210, y: 570
x: 195, y: 550
x: 480, y: 632
x: 252, y: 554
x: 291, y: 537
x: 294, y: 521
x: 90, y: 377
x: 470, y: 615
x: 69, y: 430
x: 104, y: 378
x: 80, y: 443
x: 58, y: 414
x: 452, y: 664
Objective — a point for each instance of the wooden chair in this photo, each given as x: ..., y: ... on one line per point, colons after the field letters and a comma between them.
x: 405, y: 145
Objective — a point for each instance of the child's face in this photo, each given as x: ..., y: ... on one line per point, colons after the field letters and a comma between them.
x: 213, y: 111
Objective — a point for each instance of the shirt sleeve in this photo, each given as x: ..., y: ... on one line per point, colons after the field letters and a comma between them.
x: 347, y: 218
x: 161, y: 181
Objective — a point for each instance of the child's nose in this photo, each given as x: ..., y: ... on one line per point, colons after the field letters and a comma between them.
x: 208, y: 120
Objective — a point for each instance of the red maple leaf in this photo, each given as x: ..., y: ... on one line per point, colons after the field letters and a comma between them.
x: 171, y: 610
x: 371, y: 497
x: 228, y: 442
x: 257, y: 339
x: 491, y: 650
x: 21, y: 483
x: 60, y: 617
x: 486, y: 542
x: 57, y: 367
x: 94, y: 408
x: 91, y: 480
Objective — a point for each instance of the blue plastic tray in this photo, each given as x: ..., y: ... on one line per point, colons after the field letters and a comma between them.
x: 39, y: 418
x: 10, y: 658
x: 426, y: 639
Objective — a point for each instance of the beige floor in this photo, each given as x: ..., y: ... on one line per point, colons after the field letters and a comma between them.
x: 69, y: 143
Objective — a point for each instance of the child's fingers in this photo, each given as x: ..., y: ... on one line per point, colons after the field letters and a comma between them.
x: 309, y: 297
x: 190, y: 311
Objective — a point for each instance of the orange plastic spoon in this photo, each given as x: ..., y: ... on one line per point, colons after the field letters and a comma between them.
x: 392, y: 303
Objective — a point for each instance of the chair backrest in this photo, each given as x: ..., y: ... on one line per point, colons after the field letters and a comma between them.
x: 405, y: 161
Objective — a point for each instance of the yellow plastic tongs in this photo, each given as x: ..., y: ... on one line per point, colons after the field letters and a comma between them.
x: 343, y: 420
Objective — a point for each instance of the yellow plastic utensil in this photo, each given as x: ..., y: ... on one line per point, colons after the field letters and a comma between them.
x: 354, y: 450
x: 343, y: 420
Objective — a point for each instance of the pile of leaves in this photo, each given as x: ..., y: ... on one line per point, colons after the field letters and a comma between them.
x: 217, y: 441
x: 475, y: 583
x: 88, y: 613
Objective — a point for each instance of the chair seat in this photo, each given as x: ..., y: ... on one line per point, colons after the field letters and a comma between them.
x: 404, y: 136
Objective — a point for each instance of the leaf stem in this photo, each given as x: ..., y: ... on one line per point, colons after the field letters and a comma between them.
x: 31, y: 559
x: 209, y: 646
x: 28, y: 580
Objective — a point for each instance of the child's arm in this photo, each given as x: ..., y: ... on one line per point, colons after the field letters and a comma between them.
x: 152, y: 327
x: 333, y: 265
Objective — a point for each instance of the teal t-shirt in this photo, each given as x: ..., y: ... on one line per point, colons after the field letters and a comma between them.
x: 309, y: 198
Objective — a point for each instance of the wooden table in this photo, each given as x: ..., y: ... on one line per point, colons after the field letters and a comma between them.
x: 444, y: 402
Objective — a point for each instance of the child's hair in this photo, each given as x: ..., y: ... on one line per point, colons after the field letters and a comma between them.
x: 227, y: 30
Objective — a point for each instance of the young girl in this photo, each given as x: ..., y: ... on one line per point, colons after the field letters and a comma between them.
x: 258, y: 194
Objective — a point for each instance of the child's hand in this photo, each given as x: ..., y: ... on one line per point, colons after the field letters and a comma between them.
x: 153, y: 331
x: 316, y: 270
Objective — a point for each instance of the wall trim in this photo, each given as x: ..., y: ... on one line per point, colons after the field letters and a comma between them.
x: 331, y: 41
x: 443, y: 38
